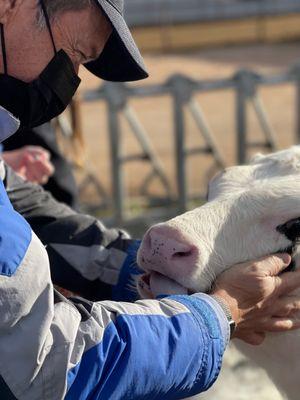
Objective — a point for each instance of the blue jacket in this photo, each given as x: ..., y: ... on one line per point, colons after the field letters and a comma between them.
x: 55, y: 348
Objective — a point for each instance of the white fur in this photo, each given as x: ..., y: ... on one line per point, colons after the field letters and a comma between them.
x: 279, y: 354
x: 246, y: 204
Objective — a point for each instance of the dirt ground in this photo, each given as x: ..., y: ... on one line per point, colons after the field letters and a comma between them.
x: 240, y: 379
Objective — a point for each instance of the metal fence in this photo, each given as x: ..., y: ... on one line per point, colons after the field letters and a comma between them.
x: 182, y: 89
x: 159, y: 12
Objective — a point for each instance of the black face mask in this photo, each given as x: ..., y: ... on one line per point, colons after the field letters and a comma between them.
x: 44, y: 98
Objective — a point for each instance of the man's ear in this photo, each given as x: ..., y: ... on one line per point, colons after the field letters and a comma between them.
x: 7, y: 7
x: 291, y: 229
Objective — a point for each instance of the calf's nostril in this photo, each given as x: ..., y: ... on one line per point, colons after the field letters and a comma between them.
x: 162, y: 247
x: 182, y: 254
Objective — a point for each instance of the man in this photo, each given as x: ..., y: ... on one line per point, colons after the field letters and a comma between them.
x: 54, y: 348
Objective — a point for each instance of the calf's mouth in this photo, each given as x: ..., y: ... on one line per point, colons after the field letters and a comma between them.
x: 153, y: 284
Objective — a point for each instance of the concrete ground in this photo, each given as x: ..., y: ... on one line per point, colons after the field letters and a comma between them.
x: 240, y: 379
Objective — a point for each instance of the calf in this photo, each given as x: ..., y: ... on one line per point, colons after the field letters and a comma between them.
x: 252, y: 211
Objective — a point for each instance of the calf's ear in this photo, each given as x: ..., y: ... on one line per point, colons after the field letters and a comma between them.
x: 291, y: 229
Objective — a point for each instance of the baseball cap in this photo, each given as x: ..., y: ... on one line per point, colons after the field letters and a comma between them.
x: 120, y: 60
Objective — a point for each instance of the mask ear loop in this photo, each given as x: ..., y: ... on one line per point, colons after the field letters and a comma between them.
x: 3, y: 48
x: 48, y: 25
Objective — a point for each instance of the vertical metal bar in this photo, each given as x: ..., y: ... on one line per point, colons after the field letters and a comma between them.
x: 179, y: 126
x: 241, y: 121
x: 117, y: 175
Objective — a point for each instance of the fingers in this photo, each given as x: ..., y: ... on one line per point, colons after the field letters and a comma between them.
x: 277, y: 324
x: 274, y: 325
x: 32, y: 163
x: 274, y: 264
x: 38, y: 170
x: 45, y: 168
x: 286, y: 306
x: 282, y: 324
x: 288, y: 282
x: 267, y: 266
x: 38, y: 152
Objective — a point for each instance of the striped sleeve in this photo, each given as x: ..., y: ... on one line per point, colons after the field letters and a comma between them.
x: 85, y: 256
x: 53, y: 348
x: 149, y: 350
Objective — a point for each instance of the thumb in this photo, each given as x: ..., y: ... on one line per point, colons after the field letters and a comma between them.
x: 276, y: 263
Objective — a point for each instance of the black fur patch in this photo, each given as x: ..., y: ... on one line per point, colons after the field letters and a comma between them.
x: 291, y: 230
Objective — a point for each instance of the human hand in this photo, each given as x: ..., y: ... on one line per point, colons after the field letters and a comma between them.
x: 32, y: 163
x: 261, y: 300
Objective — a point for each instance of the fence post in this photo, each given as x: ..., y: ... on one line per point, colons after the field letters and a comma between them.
x: 181, y: 95
x: 116, y: 99
x: 245, y: 86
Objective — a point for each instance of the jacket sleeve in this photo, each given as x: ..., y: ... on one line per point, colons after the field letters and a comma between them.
x: 53, y: 348
x: 85, y: 256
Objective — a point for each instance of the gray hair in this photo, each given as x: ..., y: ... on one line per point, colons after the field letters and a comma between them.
x: 55, y: 7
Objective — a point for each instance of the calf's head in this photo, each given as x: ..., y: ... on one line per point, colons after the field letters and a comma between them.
x: 253, y: 211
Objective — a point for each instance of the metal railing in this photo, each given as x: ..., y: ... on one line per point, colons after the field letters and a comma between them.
x: 244, y: 83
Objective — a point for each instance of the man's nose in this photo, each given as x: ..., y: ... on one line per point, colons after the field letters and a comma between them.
x: 166, y: 250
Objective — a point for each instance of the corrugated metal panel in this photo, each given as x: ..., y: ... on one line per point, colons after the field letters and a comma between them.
x: 157, y: 12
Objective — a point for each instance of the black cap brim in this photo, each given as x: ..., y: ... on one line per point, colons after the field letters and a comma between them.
x: 120, y: 60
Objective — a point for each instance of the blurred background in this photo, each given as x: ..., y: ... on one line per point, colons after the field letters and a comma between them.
x: 224, y: 84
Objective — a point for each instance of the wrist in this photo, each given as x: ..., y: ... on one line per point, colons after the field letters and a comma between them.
x: 230, y: 302
x: 227, y: 311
